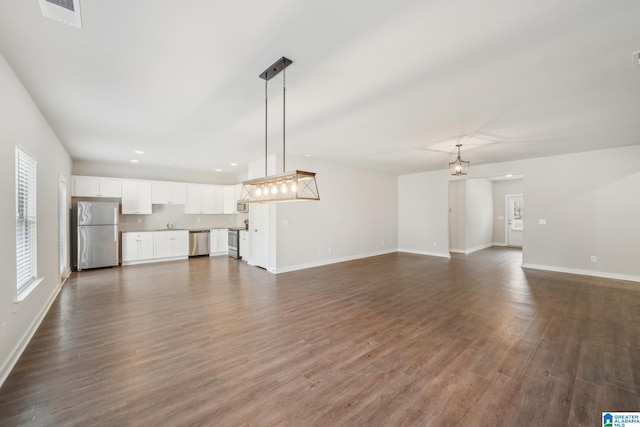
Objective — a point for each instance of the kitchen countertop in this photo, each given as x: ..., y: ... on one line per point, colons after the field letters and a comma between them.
x: 182, y: 229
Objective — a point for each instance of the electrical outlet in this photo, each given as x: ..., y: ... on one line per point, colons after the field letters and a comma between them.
x: 139, y: 220
x: 319, y: 251
x: 3, y: 332
x: 197, y: 219
x: 594, y: 258
x: 435, y: 244
x: 329, y: 250
x: 542, y: 221
x: 383, y: 243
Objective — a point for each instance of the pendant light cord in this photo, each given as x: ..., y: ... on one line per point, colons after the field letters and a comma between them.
x: 265, y: 127
x: 284, y: 118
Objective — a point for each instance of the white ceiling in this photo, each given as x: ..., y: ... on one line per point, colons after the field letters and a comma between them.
x: 384, y: 84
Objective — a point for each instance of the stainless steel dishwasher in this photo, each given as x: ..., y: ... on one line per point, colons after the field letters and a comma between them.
x: 198, y: 242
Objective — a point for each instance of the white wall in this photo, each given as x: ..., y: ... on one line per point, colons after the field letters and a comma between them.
x: 457, y: 216
x: 22, y: 123
x: 590, y: 201
x: 478, y: 214
x: 356, y: 217
x: 500, y: 190
x: 142, y: 171
x: 422, y: 213
x: 470, y: 215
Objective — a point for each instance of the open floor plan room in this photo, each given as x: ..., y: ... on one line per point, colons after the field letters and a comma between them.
x: 397, y: 339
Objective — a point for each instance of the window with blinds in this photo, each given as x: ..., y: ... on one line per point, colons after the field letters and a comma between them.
x: 26, y: 219
x: 62, y: 227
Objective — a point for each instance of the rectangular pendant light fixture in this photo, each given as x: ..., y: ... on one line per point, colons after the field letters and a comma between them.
x: 294, y: 186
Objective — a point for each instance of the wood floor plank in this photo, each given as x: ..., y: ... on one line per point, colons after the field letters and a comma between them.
x: 398, y: 339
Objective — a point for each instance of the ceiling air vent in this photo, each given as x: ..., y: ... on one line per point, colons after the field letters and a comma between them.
x: 65, y: 11
x: 67, y: 4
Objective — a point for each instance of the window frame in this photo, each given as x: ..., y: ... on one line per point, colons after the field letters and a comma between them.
x: 26, y: 199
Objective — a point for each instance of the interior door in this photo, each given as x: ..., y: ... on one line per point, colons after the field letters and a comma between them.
x: 515, y: 223
x: 260, y: 227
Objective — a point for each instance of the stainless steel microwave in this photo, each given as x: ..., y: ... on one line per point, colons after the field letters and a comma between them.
x: 242, y: 207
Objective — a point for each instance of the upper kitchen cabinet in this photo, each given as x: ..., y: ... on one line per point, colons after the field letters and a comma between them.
x: 136, y: 197
x: 168, y: 193
x: 200, y: 199
x: 93, y: 186
x: 230, y: 200
x: 218, y: 206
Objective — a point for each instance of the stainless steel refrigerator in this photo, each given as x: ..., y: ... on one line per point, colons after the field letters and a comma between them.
x: 95, y: 235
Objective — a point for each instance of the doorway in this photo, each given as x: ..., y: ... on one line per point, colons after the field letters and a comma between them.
x: 514, y: 205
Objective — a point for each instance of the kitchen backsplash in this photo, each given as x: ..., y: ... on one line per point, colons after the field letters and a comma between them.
x: 174, y: 214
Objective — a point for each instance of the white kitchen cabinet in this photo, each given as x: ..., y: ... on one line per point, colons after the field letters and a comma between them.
x: 200, y: 199
x: 137, y: 247
x: 219, y: 241
x: 237, y: 195
x: 136, y: 197
x: 168, y: 193
x: 230, y: 199
x: 218, y: 207
x: 244, y: 244
x: 171, y: 244
x: 94, y: 186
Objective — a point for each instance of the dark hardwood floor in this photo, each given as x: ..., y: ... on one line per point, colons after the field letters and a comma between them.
x: 398, y: 339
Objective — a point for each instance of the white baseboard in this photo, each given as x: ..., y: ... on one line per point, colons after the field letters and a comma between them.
x: 499, y: 244
x: 331, y: 261
x: 602, y: 274
x: 17, y: 351
x: 438, y: 254
x: 470, y: 250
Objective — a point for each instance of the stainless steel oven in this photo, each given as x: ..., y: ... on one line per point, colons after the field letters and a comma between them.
x: 234, y: 244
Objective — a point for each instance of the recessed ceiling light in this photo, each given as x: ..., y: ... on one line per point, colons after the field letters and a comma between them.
x: 139, y: 152
x: 218, y: 170
x: 234, y: 164
x: 135, y: 161
x: 508, y: 175
x: 307, y: 155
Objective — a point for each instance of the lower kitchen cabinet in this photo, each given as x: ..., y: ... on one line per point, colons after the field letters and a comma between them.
x: 170, y: 244
x: 153, y: 246
x: 137, y: 247
x: 219, y: 241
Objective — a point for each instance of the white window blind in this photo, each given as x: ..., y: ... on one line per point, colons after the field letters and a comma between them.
x: 62, y: 227
x: 26, y: 218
